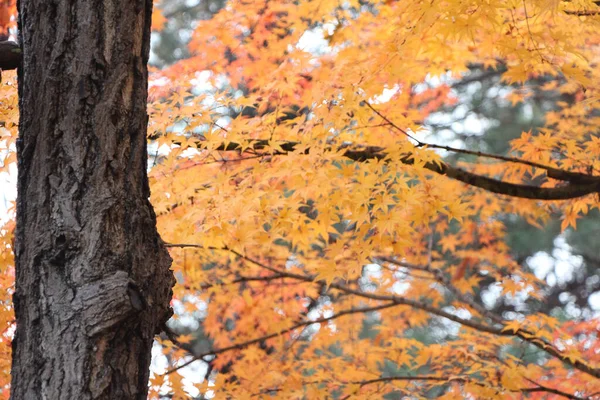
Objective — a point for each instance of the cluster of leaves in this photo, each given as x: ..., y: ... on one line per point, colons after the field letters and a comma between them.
x: 322, y: 244
x: 317, y: 234
x: 8, y: 10
x: 8, y: 134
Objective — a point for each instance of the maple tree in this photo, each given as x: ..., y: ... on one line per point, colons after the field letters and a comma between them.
x: 319, y: 237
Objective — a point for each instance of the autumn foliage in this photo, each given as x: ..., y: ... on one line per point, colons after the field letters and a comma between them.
x: 7, y: 11
x: 322, y: 242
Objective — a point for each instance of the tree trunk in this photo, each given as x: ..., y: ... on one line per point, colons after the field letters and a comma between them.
x: 93, y: 283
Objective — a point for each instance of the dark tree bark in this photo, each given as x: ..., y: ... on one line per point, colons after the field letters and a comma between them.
x: 10, y: 55
x: 93, y: 282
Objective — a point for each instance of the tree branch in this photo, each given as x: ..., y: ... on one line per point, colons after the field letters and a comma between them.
x: 247, y: 343
x: 463, y: 379
x: 589, y: 183
x: 517, y: 333
x: 242, y: 279
x: 466, y: 80
x: 484, y: 312
x: 554, y: 173
x: 543, y: 388
x: 583, y: 13
x: 434, y: 378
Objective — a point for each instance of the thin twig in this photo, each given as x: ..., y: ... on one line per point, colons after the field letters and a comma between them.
x: 552, y: 172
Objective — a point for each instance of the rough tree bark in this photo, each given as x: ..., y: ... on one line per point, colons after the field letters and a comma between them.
x: 93, y: 283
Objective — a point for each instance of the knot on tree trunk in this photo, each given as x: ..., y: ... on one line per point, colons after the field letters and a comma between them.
x: 106, y: 302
